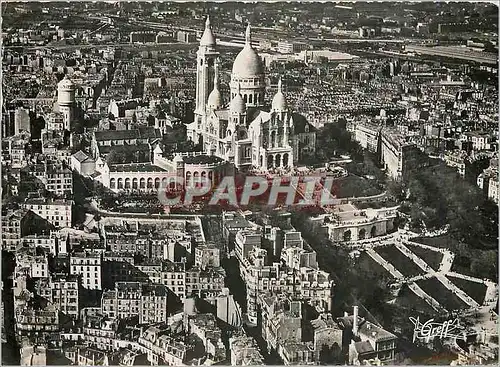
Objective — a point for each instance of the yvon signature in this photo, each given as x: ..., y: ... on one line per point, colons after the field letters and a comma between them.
x: 442, y: 330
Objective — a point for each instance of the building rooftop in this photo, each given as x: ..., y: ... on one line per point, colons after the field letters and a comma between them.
x: 135, y: 167
x: 44, y: 201
x: 203, y: 159
x: 363, y: 347
x: 146, y: 132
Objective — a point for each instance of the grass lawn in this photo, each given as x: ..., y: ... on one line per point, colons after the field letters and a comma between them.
x: 432, y: 258
x: 443, y: 241
x: 434, y: 288
x: 354, y: 186
x: 475, y: 290
x: 405, y: 265
x: 409, y: 300
x: 367, y: 264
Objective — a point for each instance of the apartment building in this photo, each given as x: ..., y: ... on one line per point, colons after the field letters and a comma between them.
x: 35, y: 266
x: 11, y: 229
x: 57, y: 212
x: 88, y: 266
x: 62, y: 291
x: 207, y: 281
x: 30, y: 321
x: 52, y: 242
x: 54, y: 176
x: 173, y: 276
x: 301, y: 278
x: 208, y: 255
x: 367, y: 135
x: 128, y: 299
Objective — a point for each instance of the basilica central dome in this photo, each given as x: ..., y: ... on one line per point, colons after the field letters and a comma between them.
x: 248, y: 75
x: 248, y: 63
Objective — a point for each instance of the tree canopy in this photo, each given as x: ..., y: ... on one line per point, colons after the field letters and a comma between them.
x: 333, y: 140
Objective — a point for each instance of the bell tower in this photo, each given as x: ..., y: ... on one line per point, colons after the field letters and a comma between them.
x: 205, y: 68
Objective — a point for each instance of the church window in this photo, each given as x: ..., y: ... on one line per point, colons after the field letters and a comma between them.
x: 278, y: 160
x: 285, y: 160
x: 250, y: 98
x: 196, y: 178
x: 245, y: 98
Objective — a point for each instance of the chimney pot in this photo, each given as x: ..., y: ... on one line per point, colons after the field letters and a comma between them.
x: 355, y: 321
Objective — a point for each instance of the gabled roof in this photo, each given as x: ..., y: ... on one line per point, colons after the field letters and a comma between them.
x: 363, y: 347
x: 80, y: 156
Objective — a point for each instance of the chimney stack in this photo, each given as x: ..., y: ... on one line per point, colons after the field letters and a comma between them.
x: 355, y: 321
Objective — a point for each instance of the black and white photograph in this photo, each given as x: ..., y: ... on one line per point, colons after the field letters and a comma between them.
x: 249, y: 183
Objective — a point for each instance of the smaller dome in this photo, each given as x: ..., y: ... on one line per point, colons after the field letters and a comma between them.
x: 215, y: 99
x: 66, y: 83
x: 208, y: 38
x: 279, y: 100
x: 237, y: 103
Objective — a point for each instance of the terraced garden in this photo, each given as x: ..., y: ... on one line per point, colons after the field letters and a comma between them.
x: 432, y: 258
x: 409, y: 300
x: 367, y: 264
x: 475, y: 290
x: 401, y: 262
x: 434, y: 288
